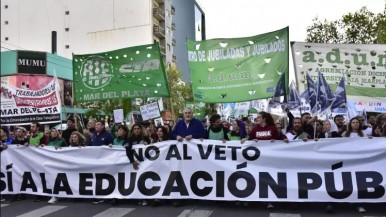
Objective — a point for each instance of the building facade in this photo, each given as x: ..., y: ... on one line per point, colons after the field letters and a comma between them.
x: 190, y: 25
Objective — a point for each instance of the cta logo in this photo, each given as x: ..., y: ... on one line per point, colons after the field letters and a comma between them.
x: 96, y: 72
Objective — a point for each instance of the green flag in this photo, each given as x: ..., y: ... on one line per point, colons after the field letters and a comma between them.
x: 238, y: 69
x: 132, y: 72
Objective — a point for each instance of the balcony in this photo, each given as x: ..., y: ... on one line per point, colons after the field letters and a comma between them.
x: 159, y: 31
x: 158, y: 13
x: 174, y: 58
x: 173, y: 10
x: 160, y: 1
x: 173, y: 26
x: 174, y: 42
x: 162, y: 49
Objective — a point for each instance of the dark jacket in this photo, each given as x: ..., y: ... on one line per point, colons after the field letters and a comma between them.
x: 196, y: 129
x: 66, y: 134
x: 17, y: 141
x: 103, y: 138
x: 333, y: 134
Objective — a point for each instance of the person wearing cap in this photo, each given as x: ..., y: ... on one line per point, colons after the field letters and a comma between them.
x: 20, y: 138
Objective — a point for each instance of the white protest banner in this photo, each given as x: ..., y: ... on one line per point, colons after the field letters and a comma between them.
x: 363, y: 66
x: 150, y: 111
x: 23, y: 106
x: 118, y: 115
x: 329, y: 170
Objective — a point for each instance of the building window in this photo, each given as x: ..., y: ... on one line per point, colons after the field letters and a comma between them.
x: 67, y: 29
x: 6, y: 6
x: 67, y: 12
x: 6, y: 38
x: 67, y: 46
x: 169, y: 48
x: 6, y: 22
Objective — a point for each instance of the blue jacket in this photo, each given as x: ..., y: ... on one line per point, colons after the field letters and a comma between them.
x: 196, y: 129
x: 104, y: 138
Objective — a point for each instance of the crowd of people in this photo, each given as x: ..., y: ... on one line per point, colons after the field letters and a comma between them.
x: 263, y: 127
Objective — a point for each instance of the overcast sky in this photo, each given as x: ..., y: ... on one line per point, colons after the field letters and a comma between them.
x: 241, y: 18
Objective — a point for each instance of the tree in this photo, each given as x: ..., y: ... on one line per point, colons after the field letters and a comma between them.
x: 180, y: 92
x: 361, y: 27
x: 107, y: 107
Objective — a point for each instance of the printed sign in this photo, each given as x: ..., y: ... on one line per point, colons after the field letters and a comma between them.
x: 150, y: 111
x: 23, y: 106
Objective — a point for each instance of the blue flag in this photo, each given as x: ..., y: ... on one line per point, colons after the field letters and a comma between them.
x: 340, y: 95
x: 293, y: 97
x: 311, y: 92
x: 324, y: 96
x: 280, y: 91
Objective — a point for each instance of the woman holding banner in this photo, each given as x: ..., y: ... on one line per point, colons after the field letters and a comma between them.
x: 265, y: 129
x: 238, y: 131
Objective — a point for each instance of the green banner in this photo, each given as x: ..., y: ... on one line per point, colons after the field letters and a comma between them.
x: 238, y: 69
x: 132, y: 72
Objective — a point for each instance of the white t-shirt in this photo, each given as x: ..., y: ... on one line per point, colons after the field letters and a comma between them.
x: 368, y: 131
x: 354, y: 135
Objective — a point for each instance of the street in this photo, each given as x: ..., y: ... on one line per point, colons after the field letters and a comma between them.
x: 192, y: 208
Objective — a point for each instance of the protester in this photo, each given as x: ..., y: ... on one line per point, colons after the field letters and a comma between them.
x: 366, y: 128
x: 55, y: 140
x: 36, y: 137
x: 20, y: 138
x: 90, y: 130
x: 101, y: 136
x: 371, y: 120
x: 339, y: 122
x: 297, y: 131
x: 136, y: 136
x: 188, y: 128
x: 71, y: 127
x: 122, y: 136
x: 77, y: 140
x: 354, y: 129
x: 216, y: 130
x: 329, y: 130
x: 280, y: 129
x: 4, y: 135
x: 238, y: 131
x: 265, y: 128
x: 162, y: 135
x: 12, y: 134
x: 307, y: 124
